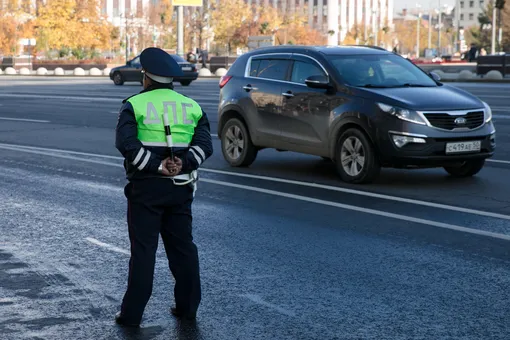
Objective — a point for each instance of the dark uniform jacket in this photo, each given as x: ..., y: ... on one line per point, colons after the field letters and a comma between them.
x: 129, y: 145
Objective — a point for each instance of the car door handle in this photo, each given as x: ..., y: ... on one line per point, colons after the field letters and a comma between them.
x: 288, y: 94
x: 250, y: 88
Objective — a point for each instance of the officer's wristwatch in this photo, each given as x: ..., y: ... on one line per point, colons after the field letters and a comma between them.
x: 160, y: 168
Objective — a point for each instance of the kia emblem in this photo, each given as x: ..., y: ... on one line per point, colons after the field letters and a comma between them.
x: 460, y: 121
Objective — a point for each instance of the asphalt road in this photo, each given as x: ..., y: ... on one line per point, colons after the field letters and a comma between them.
x: 287, y: 250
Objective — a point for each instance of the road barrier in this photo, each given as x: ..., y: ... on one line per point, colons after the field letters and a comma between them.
x: 462, y: 76
x: 489, y: 63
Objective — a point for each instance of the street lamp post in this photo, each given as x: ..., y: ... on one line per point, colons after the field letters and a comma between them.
x: 418, y: 32
x: 494, y: 27
x: 430, y: 28
x: 439, y: 30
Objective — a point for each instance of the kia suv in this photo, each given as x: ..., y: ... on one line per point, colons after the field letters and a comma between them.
x: 362, y: 107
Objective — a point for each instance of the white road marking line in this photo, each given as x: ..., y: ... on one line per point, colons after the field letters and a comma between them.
x: 59, y: 150
x: 101, y: 99
x: 214, y: 135
x: 60, y: 156
x: 330, y: 203
x: 258, y: 300
x: 25, y: 120
x: 338, y: 205
x: 107, y: 246
x: 363, y: 210
x: 51, y: 152
x: 498, y: 161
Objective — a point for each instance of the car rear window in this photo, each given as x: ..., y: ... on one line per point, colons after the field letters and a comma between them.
x: 178, y: 58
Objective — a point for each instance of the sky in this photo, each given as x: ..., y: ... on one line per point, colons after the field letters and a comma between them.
x: 425, y: 4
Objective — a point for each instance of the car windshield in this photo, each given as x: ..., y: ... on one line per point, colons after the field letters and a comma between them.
x: 379, y: 71
x: 178, y: 58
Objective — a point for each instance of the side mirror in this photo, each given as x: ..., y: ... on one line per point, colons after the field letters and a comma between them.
x: 435, y: 76
x: 318, y: 82
x: 128, y: 63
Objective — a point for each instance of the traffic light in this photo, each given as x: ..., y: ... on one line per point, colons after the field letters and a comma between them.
x: 500, y: 4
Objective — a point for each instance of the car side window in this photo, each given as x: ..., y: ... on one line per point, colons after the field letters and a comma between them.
x: 273, y: 69
x: 302, y: 70
x: 254, y: 67
x: 136, y: 62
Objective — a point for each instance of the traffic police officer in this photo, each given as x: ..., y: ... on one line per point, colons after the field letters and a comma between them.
x: 164, y: 137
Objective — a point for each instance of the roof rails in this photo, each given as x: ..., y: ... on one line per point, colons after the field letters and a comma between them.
x: 369, y: 46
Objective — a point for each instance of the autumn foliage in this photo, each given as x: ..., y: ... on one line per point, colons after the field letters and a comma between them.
x: 73, y: 24
x: 234, y: 21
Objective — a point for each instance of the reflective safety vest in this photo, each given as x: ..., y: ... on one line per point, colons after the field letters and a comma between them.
x: 157, y: 108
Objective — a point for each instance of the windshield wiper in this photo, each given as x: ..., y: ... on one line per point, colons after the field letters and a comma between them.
x: 372, y: 86
x: 412, y: 85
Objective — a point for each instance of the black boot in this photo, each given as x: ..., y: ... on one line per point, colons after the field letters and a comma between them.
x: 121, y: 320
x: 179, y: 314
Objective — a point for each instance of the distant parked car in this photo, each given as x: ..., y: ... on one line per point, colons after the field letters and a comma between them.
x: 132, y: 71
x: 363, y: 108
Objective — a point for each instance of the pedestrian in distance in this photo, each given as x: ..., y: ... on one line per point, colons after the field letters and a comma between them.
x: 164, y: 137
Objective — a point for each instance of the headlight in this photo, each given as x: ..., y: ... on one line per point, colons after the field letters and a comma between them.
x: 488, y: 112
x: 404, y: 114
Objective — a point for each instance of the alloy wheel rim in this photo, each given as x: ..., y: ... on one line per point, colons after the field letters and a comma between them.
x: 352, y: 156
x: 234, y: 142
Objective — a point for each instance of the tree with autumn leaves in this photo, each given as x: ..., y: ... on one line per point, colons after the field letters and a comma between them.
x: 74, y: 25
x: 234, y: 21
x: 15, y: 24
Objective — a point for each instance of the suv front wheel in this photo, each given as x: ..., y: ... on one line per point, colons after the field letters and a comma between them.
x: 355, y: 158
x: 236, y: 144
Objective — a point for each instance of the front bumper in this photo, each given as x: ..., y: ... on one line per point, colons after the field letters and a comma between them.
x: 425, y: 147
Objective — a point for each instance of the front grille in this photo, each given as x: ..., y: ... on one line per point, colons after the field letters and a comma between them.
x: 446, y: 121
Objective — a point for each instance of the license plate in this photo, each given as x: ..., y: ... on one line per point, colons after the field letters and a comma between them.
x: 186, y: 68
x: 460, y: 147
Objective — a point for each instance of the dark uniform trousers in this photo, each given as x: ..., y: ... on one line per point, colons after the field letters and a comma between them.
x: 157, y: 206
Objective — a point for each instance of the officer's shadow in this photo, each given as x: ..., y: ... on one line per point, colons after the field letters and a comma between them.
x: 182, y: 330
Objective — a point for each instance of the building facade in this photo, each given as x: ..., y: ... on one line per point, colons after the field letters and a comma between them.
x: 468, y: 13
x: 367, y: 15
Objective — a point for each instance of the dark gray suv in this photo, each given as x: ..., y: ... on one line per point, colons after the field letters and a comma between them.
x: 362, y: 107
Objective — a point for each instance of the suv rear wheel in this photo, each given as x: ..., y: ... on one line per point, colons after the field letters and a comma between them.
x: 236, y: 144
x: 466, y: 169
x: 355, y: 158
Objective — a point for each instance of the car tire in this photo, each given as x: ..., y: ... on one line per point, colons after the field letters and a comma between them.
x: 235, y: 140
x: 467, y: 169
x: 185, y: 82
x: 117, y: 78
x: 353, y: 146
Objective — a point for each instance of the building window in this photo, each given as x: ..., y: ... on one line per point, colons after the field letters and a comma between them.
x: 482, y: 4
x: 462, y: 17
x: 462, y: 4
x: 471, y: 16
x: 471, y: 4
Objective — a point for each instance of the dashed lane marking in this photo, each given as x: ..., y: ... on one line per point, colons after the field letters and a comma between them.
x: 25, y: 120
x: 107, y: 246
x: 258, y: 300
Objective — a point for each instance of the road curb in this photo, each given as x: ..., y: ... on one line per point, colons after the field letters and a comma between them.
x: 75, y: 76
x: 443, y: 80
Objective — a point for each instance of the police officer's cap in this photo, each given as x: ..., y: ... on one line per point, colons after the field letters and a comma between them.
x: 159, y: 65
